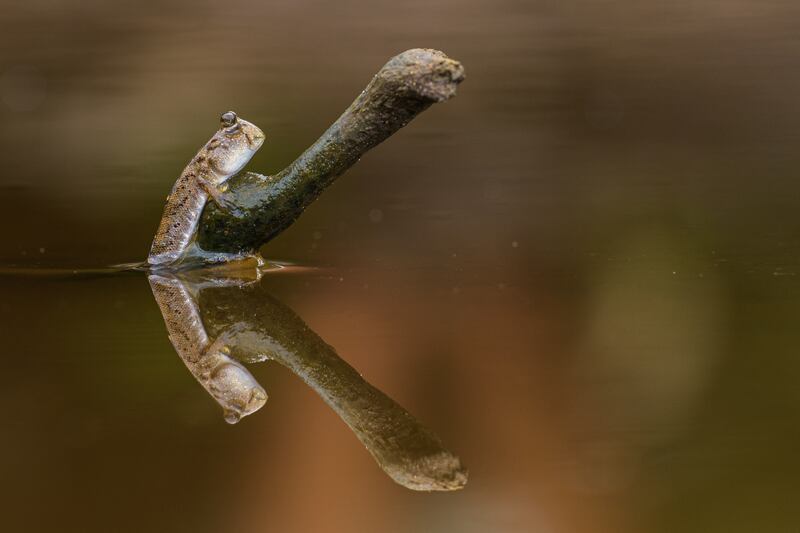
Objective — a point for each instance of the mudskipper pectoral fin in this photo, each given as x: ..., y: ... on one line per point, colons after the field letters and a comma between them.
x: 220, y: 197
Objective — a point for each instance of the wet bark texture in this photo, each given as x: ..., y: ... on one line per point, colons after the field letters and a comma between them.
x: 407, y: 85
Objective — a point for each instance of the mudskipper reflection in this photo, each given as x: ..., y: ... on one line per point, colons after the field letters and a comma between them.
x: 225, y: 379
x: 216, y: 321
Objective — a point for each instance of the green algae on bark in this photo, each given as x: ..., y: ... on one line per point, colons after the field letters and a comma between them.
x: 407, y: 85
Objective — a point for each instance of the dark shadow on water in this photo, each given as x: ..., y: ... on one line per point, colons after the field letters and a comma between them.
x: 217, y: 322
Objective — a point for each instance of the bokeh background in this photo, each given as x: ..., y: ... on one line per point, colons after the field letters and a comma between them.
x: 582, y: 272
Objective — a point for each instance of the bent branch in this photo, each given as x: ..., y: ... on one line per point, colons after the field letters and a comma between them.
x: 407, y: 85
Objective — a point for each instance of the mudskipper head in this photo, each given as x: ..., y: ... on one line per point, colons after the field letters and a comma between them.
x: 234, y: 144
x: 236, y: 390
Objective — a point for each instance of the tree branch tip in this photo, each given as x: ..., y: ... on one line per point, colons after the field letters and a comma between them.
x: 426, y: 72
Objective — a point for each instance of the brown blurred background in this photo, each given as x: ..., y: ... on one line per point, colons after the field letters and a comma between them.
x: 581, y: 272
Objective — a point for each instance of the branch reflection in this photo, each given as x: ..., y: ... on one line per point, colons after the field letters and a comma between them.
x: 216, y: 322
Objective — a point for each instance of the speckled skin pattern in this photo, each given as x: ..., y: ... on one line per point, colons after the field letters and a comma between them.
x: 225, y: 379
x: 222, y: 157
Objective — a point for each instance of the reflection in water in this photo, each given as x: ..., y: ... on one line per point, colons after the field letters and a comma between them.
x: 215, y: 322
x: 228, y: 382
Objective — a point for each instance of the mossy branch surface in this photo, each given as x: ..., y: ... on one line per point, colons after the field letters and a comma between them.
x: 407, y: 85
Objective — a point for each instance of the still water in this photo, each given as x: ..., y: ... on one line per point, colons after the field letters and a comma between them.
x: 578, y: 280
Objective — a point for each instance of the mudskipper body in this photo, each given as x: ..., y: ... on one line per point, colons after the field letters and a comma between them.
x: 209, y: 361
x: 228, y: 151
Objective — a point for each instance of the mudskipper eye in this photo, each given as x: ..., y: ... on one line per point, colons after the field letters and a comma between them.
x: 228, y: 119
